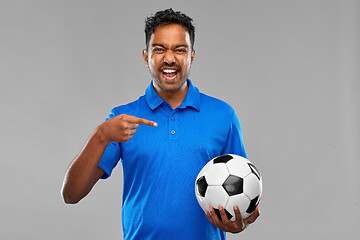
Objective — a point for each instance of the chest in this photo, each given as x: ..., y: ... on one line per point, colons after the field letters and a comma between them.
x: 183, y: 137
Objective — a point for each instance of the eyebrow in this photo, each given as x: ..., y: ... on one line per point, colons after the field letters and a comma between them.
x: 161, y: 45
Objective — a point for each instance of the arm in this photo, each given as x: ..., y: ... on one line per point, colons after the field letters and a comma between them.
x: 234, y: 144
x: 84, y: 172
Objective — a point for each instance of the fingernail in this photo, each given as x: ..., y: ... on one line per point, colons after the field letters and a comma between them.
x: 155, y: 124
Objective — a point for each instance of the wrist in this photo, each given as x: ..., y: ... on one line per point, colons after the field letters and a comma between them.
x: 100, y: 136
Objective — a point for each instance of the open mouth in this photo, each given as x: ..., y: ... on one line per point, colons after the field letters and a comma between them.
x: 170, y: 74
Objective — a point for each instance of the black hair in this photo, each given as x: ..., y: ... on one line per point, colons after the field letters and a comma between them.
x: 165, y: 17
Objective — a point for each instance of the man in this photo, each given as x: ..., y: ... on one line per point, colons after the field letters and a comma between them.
x: 163, y: 140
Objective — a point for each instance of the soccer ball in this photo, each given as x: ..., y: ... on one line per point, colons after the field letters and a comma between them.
x: 229, y: 180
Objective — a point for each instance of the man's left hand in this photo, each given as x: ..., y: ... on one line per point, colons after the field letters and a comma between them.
x: 226, y: 225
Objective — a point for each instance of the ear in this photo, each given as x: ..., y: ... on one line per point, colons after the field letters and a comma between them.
x: 146, y: 57
x: 192, y: 55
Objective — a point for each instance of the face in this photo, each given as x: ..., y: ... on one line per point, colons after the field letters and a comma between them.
x: 169, y: 57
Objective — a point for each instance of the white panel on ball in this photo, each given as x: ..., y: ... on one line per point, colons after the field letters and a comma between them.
x: 240, y: 200
x: 205, y: 168
x: 216, y: 174
x: 240, y: 157
x: 202, y: 202
x: 252, y: 186
x: 238, y: 167
x: 216, y: 195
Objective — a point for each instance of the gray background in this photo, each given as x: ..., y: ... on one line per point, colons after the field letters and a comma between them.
x: 289, y: 68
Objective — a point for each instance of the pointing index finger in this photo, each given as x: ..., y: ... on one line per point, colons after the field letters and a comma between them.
x: 142, y: 121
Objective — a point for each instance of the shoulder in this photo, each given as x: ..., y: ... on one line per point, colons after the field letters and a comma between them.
x: 215, y: 105
x: 129, y: 108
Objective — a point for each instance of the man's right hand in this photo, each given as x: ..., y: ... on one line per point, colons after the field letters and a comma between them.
x: 121, y: 128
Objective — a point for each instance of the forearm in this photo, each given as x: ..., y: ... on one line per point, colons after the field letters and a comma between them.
x: 84, y: 172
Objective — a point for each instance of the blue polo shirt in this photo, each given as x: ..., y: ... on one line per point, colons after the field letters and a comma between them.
x: 160, y: 164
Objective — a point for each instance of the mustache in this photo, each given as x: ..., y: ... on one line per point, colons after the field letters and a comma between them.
x: 169, y: 65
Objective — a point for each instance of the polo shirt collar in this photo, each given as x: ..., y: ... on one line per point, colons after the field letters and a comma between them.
x: 192, y: 98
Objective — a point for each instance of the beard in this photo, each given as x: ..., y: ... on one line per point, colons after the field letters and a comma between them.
x: 156, y: 79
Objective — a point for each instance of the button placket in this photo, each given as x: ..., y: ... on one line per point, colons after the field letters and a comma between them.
x: 172, y: 127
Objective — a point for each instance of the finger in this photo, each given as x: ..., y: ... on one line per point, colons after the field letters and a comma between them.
x: 133, y: 119
x: 209, y: 217
x: 223, y: 215
x: 128, y: 137
x: 215, y: 220
x: 133, y: 126
x: 239, y: 219
x: 218, y: 219
x: 132, y: 131
x: 238, y: 216
x: 214, y: 215
x: 253, y: 216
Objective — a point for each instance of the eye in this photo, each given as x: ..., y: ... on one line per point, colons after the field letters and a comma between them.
x: 158, y: 50
x: 181, y: 50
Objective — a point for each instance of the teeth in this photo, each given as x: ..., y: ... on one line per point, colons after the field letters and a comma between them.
x: 169, y: 70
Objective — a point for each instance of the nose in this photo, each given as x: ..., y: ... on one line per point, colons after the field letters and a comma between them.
x: 169, y: 58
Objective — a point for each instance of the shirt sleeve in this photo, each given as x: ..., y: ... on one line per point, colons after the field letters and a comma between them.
x: 111, y: 155
x: 235, y: 143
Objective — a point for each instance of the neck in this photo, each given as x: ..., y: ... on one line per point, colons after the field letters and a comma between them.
x: 174, y: 98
